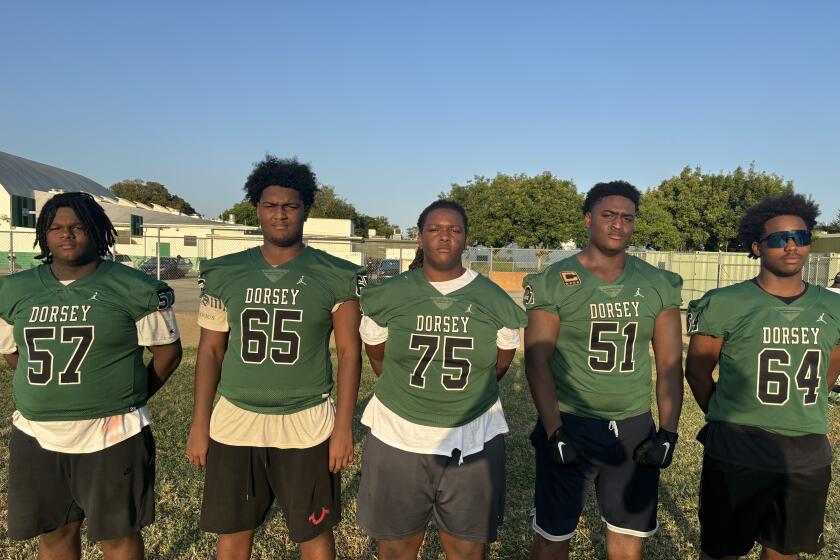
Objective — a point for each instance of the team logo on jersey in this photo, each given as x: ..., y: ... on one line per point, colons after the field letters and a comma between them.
x: 468, y: 309
x: 570, y: 278
x: 443, y: 303
x: 528, y: 296
x: 165, y: 299
x: 274, y: 274
x: 93, y: 297
x: 638, y: 293
x: 201, y: 283
x: 611, y: 291
x: 301, y: 282
x: 692, y: 322
x: 821, y: 318
x: 361, y: 283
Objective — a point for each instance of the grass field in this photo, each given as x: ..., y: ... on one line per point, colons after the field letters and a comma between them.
x: 175, y: 535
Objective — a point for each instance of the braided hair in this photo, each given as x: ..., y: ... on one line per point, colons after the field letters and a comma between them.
x: 97, y: 224
x: 421, y: 222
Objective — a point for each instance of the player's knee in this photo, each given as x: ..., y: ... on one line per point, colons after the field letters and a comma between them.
x: 542, y: 548
x: 61, y: 536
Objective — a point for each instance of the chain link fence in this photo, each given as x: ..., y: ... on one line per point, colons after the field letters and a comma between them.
x: 180, y: 257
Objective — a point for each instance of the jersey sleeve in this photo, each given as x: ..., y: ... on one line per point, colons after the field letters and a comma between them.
x: 375, y: 302
x: 157, y: 329
x: 350, y: 285
x: 538, y: 293
x: 671, y: 291
x: 212, y: 314
x: 7, y: 338
x: 371, y: 333
x: 704, y: 316
x: 508, y: 339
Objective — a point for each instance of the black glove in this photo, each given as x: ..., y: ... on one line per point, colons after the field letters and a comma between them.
x: 656, y: 451
x: 562, y: 450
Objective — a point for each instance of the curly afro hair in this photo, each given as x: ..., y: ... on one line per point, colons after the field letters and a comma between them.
x: 289, y: 173
x: 97, y: 224
x: 613, y: 188
x: 751, y: 228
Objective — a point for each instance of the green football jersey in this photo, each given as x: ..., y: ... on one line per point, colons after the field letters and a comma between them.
x: 773, y: 364
x: 440, y: 356
x: 601, y: 363
x: 79, y: 357
x: 278, y: 354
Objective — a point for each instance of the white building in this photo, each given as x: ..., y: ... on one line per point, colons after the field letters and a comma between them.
x: 26, y: 185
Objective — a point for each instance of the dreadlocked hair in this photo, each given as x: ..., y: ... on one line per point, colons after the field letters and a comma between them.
x: 751, y: 228
x: 421, y: 222
x: 97, y: 224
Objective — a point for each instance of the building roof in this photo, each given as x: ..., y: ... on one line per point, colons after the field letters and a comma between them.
x: 121, y: 214
x: 20, y: 176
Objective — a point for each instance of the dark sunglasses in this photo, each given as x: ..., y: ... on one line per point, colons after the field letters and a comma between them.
x: 779, y: 239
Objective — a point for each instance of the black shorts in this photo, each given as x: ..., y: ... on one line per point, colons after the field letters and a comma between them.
x: 112, y: 488
x: 400, y: 491
x: 740, y: 506
x: 627, y: 492
x: 241, y: 483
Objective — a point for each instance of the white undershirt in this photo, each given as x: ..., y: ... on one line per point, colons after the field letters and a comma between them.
x: 398, y: 432
x: 87, y: 436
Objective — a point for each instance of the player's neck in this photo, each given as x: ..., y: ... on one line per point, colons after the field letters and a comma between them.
x: 276, y: 255
x: 784, y: 286
x: 72, y: 271
x: 436, y: 275
x: 607, y: 266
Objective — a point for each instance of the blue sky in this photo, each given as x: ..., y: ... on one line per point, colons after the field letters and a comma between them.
x: 392, y: 102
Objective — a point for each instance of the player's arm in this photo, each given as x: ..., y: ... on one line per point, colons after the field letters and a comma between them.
x: 540, y: 339
x: 208, y: 370
x: 703, y: 356
x: 667, y: 351
x: 346, y: 321
x: 375, y: 354
x: 165, y: 360
x: 12, y: 360
x: 8, y: 347
x: 503, y: 361
x: 833, y: 367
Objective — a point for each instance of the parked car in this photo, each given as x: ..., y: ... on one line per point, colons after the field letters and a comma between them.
x: 388, y: 268
x: 170, y: 267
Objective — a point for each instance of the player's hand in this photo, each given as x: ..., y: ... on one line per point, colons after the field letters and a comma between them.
x: 341, y: 449
x: 562, y: 450
x: 197, y: 444
x: 657, y: 451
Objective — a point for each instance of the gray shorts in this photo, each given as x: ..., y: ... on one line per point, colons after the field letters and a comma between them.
x: 400, y: 491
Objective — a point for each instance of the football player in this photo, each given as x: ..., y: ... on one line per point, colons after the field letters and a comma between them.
x: 74, y: 329
x: 767, y: 460
x: 266, y: 315
x: 439, y: 338
x: 591, y: 320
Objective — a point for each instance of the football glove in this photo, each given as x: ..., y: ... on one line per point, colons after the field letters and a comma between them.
x: 657, y: 451
x: 562, y: 450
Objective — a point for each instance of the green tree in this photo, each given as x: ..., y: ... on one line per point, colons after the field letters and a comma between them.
x: 834, y: 225
x: 243, y: 213
x: 329, y: 205
x: 655, y: 228
x: 541, y: 211
x: 704, y: 208
x: 150, y: 192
